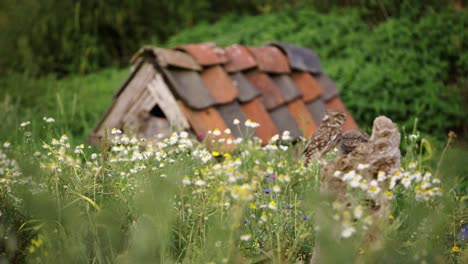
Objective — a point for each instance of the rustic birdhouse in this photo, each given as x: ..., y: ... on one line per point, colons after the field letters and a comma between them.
x: 203, y: 87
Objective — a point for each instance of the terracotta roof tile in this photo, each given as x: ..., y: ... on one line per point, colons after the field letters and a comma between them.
x: 239, y: 59
x: 219, y: 84
x: 256, y: 112
x: 337, y: 104
x: 204, y: 120
x: 271, y: 95
x: 309, y: 87
x: 302, y: 116
x: 301, y: 59
x: 214, y: 85
x: 270, y: 59
x: 205, y: 53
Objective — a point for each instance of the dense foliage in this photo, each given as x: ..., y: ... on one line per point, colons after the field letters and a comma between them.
x: 69, y: 37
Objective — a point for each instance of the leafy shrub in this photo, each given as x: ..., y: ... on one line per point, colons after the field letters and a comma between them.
x: 66, y: 37
x: 399, y: 68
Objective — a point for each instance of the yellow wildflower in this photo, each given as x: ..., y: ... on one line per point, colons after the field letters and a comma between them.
x: 264, y: 217
x: 272, y: 205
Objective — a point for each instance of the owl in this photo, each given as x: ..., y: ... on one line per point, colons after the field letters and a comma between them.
x: 325, y: 137
x: 351, y: 139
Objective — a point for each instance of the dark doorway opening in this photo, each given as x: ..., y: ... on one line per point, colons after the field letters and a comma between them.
x: 157, y: 112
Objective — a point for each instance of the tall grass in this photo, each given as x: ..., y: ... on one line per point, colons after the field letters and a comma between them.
x: 76, y: 103
x: 175, y: 201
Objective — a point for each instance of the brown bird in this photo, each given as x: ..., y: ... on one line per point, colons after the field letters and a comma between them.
x: 351, y: 139
x: 325, y: 137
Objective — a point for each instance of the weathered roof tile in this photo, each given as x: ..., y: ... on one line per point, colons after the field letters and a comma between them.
x: 286, y: 86
x: 245, y: 89
x: 232, y: 111
x: 302, y: 116
x: 301, y: 59
x: 238, y: 59
x: 329, y: 87
x: 271, y: 95
x: 270, y: 59
x: 166, y: 57
x: 256, y: 112
x: 204, y: 120
x: 309, y: 87
x: 285, y: 121
x: 205, y: 53
x: 190, y: 88
x: 219, y: 84
x: 318, y: 110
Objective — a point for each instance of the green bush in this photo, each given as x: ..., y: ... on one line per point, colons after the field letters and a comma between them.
x: 400, y: 68
x: 66, y: 37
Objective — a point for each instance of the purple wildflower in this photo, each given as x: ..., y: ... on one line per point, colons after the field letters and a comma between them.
x: 464, y: 233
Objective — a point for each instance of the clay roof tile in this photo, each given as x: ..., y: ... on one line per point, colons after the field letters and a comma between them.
x: 270, y: 59
x: 205, y: 54
x: 219, y: 84
x: 238, y: 59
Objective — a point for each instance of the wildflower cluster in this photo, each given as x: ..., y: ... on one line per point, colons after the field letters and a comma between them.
x: 58, y: 156
x: 426, y: 187
x: 381, y: 188
x: 352, y: 216
x: 263, y: 191
x: 10, y: 173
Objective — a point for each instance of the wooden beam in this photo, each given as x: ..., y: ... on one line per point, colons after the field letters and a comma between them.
x: 167, y: 102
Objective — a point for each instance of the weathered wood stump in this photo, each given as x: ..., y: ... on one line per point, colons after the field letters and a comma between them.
x: 380, y: 153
